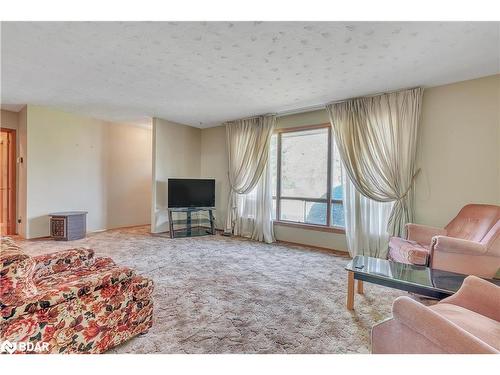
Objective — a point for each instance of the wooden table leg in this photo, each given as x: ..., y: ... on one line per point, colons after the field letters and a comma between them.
x: 350, y: 290
x: 360, y: 287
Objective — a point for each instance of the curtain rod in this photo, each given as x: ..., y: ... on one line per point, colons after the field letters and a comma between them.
x: 317, y: 107
x: 371, y: 95
x: 323, y: 106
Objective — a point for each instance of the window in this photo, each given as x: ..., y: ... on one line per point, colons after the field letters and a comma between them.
x: 306, y: 177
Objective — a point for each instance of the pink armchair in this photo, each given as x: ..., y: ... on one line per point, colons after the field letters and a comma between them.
x: 469, y: 244
x: 466, y: 323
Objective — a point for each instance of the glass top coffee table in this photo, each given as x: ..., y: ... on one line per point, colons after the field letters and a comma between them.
x: 408, y: 277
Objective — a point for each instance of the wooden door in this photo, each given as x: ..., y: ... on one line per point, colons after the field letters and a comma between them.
x: 8, y: 182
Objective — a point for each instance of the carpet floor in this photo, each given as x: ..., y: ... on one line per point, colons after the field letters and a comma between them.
x: 216, y: 294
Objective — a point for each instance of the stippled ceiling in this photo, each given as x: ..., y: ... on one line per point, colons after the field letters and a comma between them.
x: 203, y: 73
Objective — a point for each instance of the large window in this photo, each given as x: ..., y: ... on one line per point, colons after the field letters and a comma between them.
x: 306, y: 177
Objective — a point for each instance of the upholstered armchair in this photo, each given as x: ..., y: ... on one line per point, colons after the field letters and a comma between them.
x: 469, y: 244
x: 71, y: 300
x: 468, y: 322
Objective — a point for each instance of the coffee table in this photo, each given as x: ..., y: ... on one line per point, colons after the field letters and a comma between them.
x: 408, y: 277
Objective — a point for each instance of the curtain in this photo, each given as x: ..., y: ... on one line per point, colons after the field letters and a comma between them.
x: 365, y: 222
x: 377, y: 140
x: 249, y: 206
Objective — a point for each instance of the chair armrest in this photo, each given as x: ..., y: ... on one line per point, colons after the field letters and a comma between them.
x: 457, y: 245
x: 442, y: 332
x: 478, y: 295
x: 422, y: 233
x: 61, y: 261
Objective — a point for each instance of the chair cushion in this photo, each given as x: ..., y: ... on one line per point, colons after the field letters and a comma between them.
x: 64, y: 286
x: 473, y: 222
x: 482, y: 327
x: 405, y: 251
x: 16, y: 273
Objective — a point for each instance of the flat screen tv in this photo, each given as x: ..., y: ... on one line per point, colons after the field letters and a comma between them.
x: 184, y: 192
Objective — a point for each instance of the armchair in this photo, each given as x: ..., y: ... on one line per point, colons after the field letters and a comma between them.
x: 71, y: 300
x: 466, y: 323
x: 469, y: 244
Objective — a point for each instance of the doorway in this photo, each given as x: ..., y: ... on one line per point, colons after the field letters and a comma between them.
x: 8, y: 181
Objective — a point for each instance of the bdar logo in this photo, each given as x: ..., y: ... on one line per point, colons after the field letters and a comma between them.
x: 28, y: 347
x: 8, y: 347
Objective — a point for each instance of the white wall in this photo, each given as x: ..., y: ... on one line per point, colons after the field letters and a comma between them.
x: 78, y: 163
x: 458, y: 153
x: 176, y: 154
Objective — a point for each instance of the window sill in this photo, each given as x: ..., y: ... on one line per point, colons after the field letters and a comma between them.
x: 319, y: 228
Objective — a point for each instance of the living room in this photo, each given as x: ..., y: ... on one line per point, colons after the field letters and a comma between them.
x: 250, y: 187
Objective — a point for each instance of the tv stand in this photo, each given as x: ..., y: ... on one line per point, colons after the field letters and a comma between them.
x: 187, y: 229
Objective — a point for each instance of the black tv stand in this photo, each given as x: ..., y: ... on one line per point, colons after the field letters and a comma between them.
x: 187, y: 229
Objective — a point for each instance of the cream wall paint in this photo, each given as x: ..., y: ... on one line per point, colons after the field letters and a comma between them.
x: 214, y: 164
x: 79, y: 163
x: 458, y: 154
x: 458, y: 150
x: 176, y: 154
x: 128, y: 175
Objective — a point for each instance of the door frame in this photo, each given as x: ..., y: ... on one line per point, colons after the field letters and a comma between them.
x: 11, y: 181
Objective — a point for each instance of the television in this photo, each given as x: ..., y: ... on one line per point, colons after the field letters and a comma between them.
x: 187, y: 192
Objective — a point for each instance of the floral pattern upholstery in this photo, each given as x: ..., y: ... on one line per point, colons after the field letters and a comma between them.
x: 72, y: 300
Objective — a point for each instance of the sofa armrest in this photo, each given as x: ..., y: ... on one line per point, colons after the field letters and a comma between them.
x: 422, y: 233
x: 62, y: 261
x: 457, y: 245
x: 478, y: 295
x: 440, y: 331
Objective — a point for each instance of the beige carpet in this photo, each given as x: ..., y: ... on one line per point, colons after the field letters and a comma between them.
x: 216, y: 294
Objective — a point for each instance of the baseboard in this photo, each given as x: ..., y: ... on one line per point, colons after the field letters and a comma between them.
x: 341, y: 253
x: 87, y: 233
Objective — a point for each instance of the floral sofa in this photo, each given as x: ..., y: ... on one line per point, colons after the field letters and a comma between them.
x: 70, y: 300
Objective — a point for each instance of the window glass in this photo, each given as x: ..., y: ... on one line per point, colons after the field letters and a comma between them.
x: 337, y: 218
x: 303, y: 176
x: 304, y: 163
x: 302, y: 211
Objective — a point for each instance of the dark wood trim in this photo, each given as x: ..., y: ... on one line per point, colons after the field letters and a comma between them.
x: 316, y: 227
x: 302, y: 128
x: 329, y: 179
x: 278, y: 177
x: 11, y: 181
x: 314, y: 200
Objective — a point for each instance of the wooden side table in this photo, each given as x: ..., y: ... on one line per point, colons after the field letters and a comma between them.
x: 68, y: 226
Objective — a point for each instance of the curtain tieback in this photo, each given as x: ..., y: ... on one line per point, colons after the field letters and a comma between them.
x: 410, y: 186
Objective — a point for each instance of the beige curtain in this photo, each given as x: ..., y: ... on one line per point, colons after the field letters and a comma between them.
x: 250, y: 200
x: 377, y: 139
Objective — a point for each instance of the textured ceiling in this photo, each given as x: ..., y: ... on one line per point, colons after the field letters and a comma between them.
x: 203, y: 73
